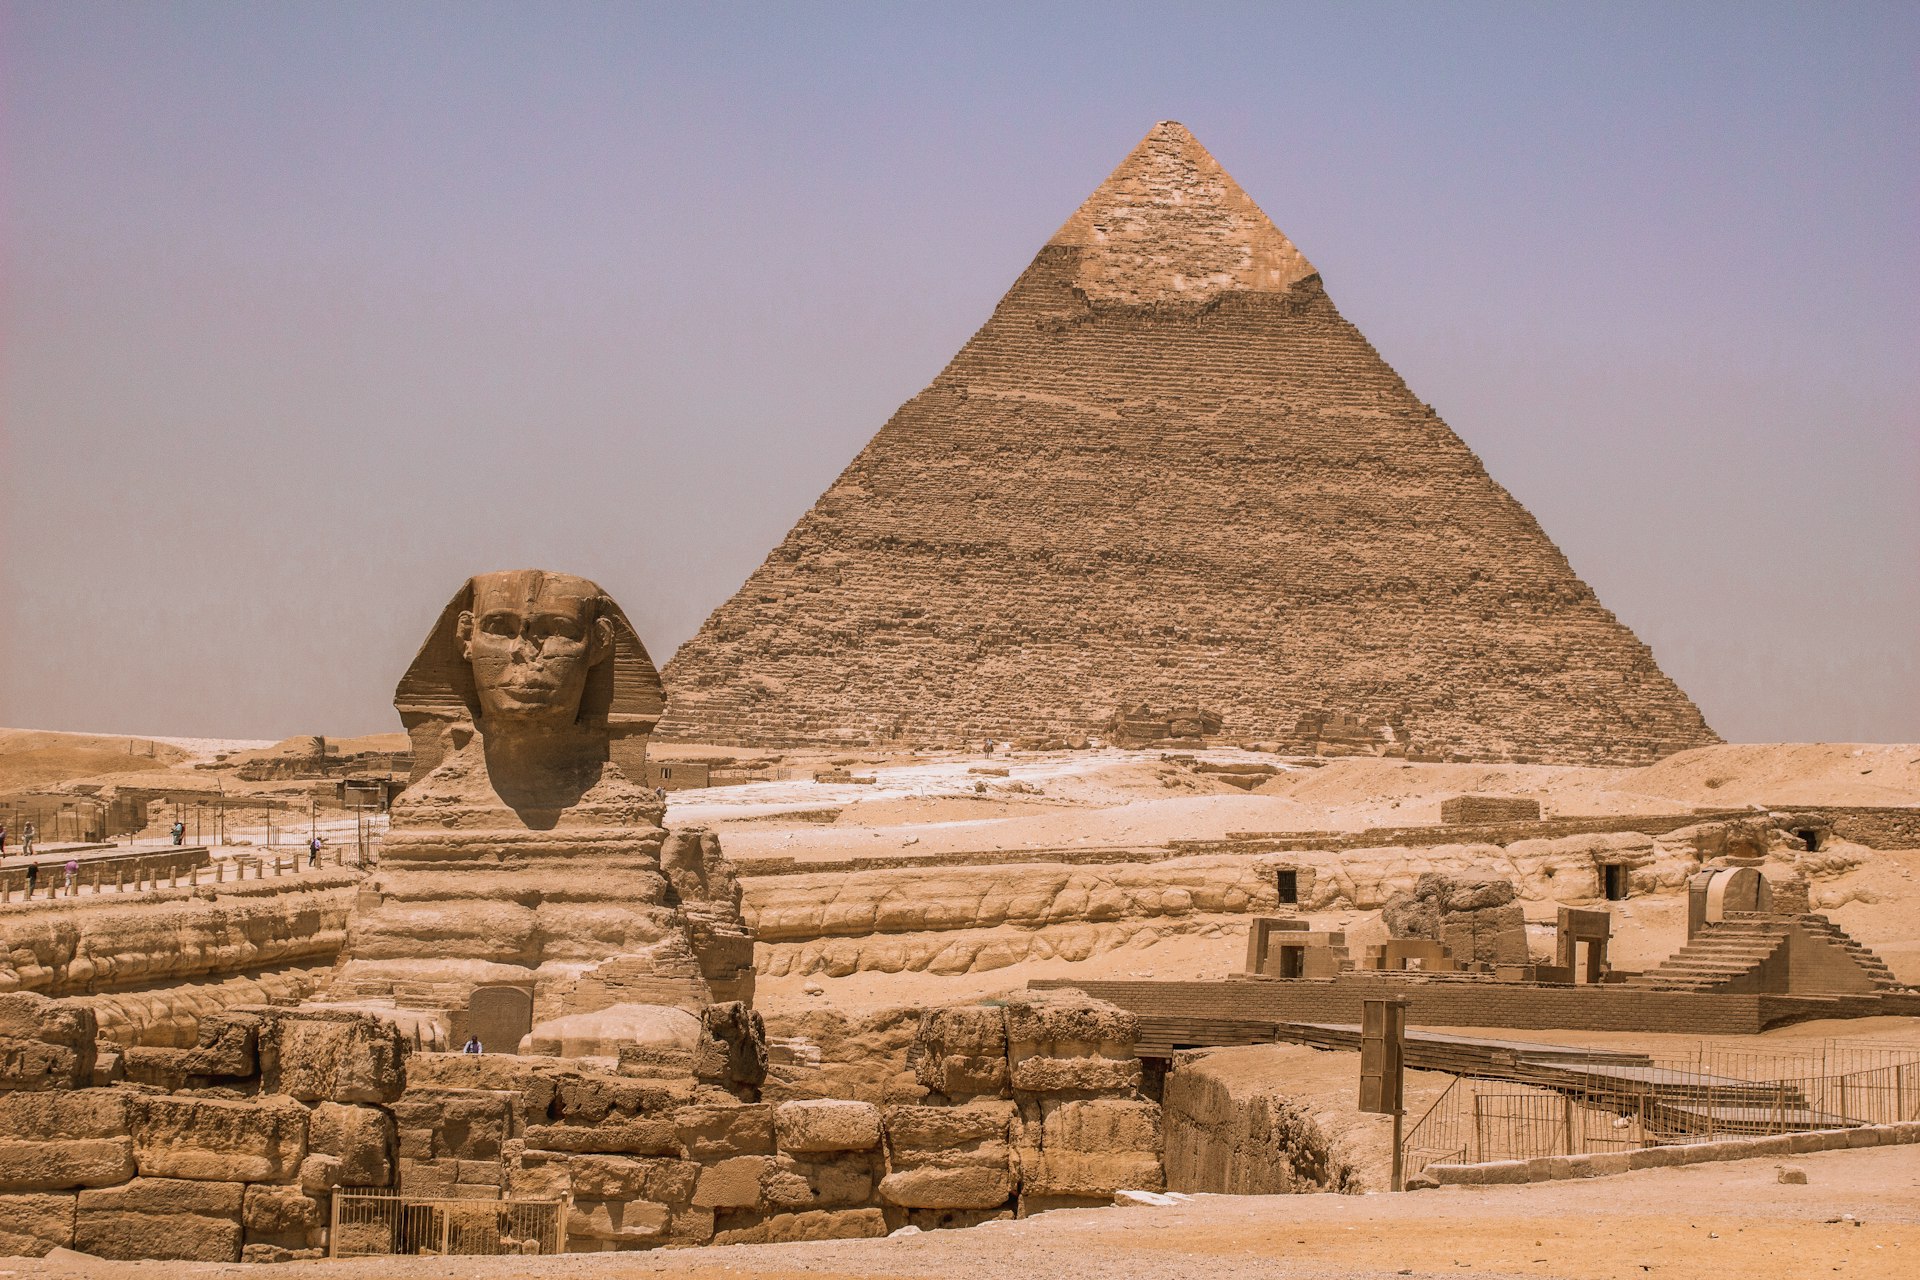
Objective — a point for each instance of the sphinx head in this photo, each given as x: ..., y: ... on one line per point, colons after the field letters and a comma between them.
x: 532, y: 639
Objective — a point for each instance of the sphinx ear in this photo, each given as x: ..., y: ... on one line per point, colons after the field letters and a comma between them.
x: 464, y: 631
x: 602, y: 643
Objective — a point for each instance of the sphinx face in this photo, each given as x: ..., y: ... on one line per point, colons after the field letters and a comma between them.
x: 532, y: 638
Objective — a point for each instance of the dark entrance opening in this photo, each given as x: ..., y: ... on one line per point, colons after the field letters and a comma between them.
x: 1291, y: 961
x: 1614, y: 881
x: 1810, y: 838
x: 1289, y: 884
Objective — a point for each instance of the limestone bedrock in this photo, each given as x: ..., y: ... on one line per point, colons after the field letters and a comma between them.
x: 521, y: 854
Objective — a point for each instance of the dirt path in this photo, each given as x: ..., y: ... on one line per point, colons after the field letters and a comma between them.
x: 1703, y: 1222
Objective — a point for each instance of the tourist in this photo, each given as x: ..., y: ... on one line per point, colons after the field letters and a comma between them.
x: 3, y: 839
x: 179, y: 831
x: 26, y: 840
x: 33, y: 877
x: 313, y: 850
x: 73, y: 873
x: 473, y: 1045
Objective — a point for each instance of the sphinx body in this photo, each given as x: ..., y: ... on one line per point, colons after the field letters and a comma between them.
x: 521, y: 857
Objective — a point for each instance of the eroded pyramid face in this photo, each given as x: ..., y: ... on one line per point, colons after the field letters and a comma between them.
x: 1166, y: 471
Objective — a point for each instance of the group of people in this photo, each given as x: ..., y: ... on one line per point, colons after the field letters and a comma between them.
x: 179, y: 832
x: 27, y: 837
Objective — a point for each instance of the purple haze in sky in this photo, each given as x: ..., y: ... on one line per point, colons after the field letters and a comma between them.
x: 312, y: 310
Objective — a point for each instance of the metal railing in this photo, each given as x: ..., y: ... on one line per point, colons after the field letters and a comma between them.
x: 1588, y: 1108
x: 376, y: 1223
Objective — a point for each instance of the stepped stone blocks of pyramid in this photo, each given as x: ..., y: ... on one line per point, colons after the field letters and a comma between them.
x: 1167, y: 471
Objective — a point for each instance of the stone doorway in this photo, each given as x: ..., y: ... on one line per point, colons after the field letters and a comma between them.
x: 500, y: 1017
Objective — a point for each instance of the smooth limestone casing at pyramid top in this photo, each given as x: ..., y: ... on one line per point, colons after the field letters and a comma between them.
x: 1166, y: 470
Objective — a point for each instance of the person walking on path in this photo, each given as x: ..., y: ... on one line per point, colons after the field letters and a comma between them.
x: 179, y: 831
x: 3, y: 839
x: 73, y: 874
x: 472, y: 1045
x: 26, y: 840
x: 33, y: 877
x: 313, y: 850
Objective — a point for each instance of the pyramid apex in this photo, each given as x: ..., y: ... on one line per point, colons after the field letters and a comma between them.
x: 1169, y: 224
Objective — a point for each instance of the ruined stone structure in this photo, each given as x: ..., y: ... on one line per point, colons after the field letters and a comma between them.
x: 524, y: 859
x: 1167, y: 471
x: 241, y: 1146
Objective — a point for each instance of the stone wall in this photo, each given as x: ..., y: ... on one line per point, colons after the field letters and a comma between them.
x: 226, y: 1151
x: 232, y: 1149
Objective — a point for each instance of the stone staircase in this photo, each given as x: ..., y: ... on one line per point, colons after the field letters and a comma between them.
x: 1718, y: 957
x: 1871, y: 964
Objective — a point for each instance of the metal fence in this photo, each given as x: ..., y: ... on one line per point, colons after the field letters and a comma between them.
x: 384, y: 1224
x: 1586, y: 1108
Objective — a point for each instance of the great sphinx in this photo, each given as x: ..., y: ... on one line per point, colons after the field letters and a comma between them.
x: 526, y: 883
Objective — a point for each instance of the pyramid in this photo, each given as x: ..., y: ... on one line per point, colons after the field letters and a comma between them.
x: 1166, y: 471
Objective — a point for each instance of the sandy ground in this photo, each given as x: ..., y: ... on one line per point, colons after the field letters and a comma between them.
x: 1858, y: 1215
x: 1090, y: 799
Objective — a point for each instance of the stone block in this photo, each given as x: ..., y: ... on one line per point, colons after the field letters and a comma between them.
x: 1066, y: 1025
x: 414, y: 1144
x: 818, y: 1224
x: 640, y: 1136
x: 280, y: 1211
x: 1101, y: 1125
x: 60, y: 1166
x: 227, y: 1050
x: 32, y: 1224
x: 428, y: 1177
x: 466, y: 1124
x: 1610, y: 1163
x: 265, y: 1253
x: 690, y: 1225
x: 932, y: 1187
x: 731, y: 1183
x: 332, y: 1056
x: 822, y: 1125
x: 63, y: 1115
x: 961, y: 1051
x: 823, y: 1183
x: 1091, y: 1174
x: 161, y: 1218
x: 1503, y: 1172
x: 45, y: 1043
x: 479, y: 1173
x: 606, y: 1177
x: 1076, y: 1075
x: 216, y: 1140
x: 939, y: 1128
x: 712, y: 1132
x: 624, y: 1222
x: 1456, y: 1175
x: 360, y: 1138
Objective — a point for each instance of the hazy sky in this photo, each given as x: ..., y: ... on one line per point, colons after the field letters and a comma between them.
x: 311, y: 310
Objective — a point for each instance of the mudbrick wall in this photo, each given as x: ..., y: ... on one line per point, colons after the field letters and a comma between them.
x: 234, y: 1148
x: 1167, y: 470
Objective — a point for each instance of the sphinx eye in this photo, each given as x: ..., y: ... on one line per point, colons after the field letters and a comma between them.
x: 500, y: 624
x: 558, y: 627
